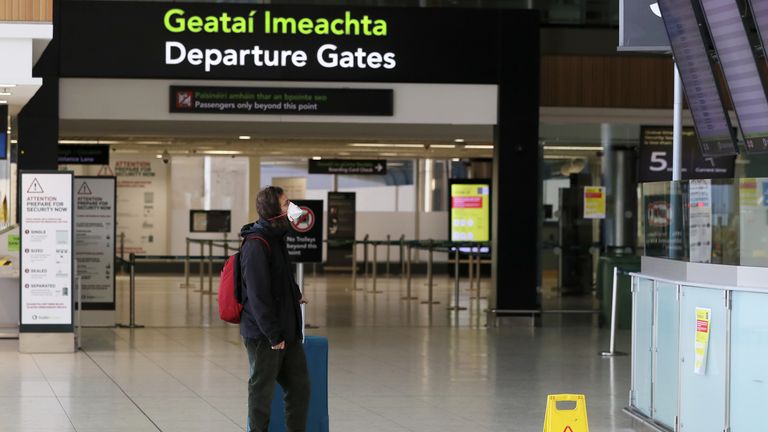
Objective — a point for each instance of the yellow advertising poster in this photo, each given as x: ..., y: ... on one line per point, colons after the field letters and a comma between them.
x: 594, y: 202
x: 470, y: 212
x: 703, y: 329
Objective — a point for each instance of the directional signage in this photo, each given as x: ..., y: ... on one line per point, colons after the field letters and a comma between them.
x: 46, y: 251
x: 89, y: 154
x: 344, y: 166
x: 95, y: 240
x: 655, y: 159
x: 305, y: 241
x: 269, y: 100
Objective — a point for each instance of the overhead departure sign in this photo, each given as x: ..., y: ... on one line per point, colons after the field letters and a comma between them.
x: 247, y: 41
x: 713, y: 127
x: 268, y: 100
x: 740, y: 68
x: 344, y: 166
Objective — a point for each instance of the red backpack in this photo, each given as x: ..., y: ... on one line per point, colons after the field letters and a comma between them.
x: 231, y: 286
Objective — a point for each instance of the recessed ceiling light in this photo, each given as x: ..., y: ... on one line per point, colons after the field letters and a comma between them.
x: 159, y: 156
x: 456, y: 160
x: 316, y: 158
x: 480, y: 147
x: 459, y: 140
x: 223, y: 152
x: 244, y: 137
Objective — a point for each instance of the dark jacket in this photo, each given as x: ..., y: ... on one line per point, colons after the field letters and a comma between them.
x: 271, y: 297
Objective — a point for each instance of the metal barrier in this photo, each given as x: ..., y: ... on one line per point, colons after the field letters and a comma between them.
x: 132, y: 278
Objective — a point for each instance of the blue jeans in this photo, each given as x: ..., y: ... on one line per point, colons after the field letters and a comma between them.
x: 268, y: 367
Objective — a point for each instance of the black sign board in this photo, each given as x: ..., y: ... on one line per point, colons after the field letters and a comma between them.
x: 341, y: 226
x: 181, y: 40
x: 305, y: 240
x: 85, y: 154
x: 268, y: 100
x: 343, y: 166
x: 210, y: 221
x: 656, y: 157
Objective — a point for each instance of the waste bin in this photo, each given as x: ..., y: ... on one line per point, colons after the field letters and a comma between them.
x: 316, y: 349
x: 625, y: 263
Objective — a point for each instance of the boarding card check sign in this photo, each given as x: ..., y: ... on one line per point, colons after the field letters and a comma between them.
x: 46, y: 248
x: 95, y: 239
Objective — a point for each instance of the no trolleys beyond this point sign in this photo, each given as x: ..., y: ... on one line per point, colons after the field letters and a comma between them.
x: 305, y: 241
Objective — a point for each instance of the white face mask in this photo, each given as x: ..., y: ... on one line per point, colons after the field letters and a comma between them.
x: 295, y: 213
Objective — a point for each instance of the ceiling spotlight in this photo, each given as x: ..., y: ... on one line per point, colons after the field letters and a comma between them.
x: 316, y: 158
x: 456, y: 160
x: 244, y: 137
x: 459, y: 140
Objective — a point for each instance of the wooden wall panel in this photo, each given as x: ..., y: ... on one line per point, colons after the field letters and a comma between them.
x: 26, y: 10
x: 618, y: 81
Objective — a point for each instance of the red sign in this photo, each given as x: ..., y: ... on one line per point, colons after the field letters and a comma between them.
x: 467, y: 202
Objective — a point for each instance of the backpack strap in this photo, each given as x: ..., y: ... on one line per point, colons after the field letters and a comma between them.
x: 257, y: 237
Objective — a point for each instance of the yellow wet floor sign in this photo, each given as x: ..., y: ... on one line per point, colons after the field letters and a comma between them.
x: 570, y: 419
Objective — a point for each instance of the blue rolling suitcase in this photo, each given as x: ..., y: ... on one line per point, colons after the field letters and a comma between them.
x: 316, y: 349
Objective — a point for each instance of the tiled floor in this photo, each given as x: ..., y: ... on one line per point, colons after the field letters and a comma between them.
x: 393, y: 367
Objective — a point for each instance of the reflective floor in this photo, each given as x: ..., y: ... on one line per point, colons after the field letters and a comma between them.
x: 394, y: 366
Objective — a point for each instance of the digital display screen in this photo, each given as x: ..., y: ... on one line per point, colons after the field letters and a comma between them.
x: 740, y: 68
x: 471, y: 212
x: 210, y: 221
x: 713, y: 127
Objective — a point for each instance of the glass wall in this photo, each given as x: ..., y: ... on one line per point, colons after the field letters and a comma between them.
x: 707, y: 221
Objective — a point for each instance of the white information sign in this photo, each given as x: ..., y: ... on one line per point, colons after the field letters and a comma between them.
x: 46, y: 248
x: 700, y: 221
x: 95, y: 238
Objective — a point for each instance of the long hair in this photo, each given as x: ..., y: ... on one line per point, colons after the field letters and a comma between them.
x: 268, y: 202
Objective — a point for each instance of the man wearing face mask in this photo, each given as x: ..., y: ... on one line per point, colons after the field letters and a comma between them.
x: 271, y: 324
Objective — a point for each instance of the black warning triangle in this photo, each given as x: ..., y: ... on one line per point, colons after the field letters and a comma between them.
x: 84, y: 190
x: 35, y: 187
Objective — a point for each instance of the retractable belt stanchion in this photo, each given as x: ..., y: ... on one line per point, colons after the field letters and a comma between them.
x: 409, y: 295
x: 470, y: 268
x: 186, y: 267
x: 375, y: 268
x: 612, y: 348
x: 355, y: 243
x: 402, y: 258
x: 430, y: 279
x: 210, y: 267
x: 132, y: 285
x: 202, y: 266
x: 365, y: 257
x: 457, y: 282
x: 389, y: 247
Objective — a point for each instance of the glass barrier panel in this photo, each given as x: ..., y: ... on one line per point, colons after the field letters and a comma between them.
x: 702, y: 368
x: 642, y: 345
x: 667, y: 356
x: 749, y: 351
